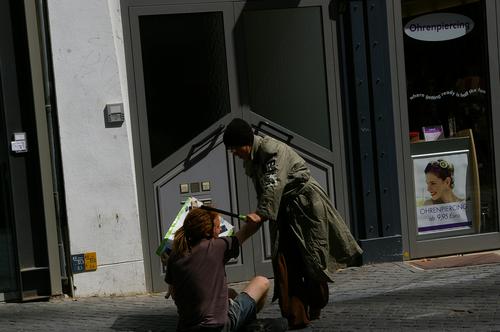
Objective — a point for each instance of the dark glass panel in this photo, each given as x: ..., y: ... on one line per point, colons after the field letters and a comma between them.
x: 286, y: 70
x: 185, y: 74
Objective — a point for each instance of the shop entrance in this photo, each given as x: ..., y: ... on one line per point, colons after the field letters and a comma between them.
x: 450, y: 48
x: 197, y: 66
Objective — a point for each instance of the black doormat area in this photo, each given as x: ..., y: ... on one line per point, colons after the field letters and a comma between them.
x: 456, y: 261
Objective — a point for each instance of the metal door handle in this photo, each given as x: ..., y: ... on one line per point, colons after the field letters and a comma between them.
x: 265, y: 123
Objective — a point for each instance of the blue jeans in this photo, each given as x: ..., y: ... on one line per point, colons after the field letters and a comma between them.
x: 242, y: 310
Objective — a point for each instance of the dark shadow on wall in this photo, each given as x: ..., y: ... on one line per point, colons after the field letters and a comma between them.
x: 146, y: 323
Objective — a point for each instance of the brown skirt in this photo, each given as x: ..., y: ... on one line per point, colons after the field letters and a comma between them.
x: 300, y: 297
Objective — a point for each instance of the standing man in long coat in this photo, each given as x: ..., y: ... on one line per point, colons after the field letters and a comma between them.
x: 308, y: 236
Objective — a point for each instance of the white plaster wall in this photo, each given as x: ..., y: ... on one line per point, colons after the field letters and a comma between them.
x: 89, y: 68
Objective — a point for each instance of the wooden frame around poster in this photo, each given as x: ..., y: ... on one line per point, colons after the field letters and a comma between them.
x: 454, y: 148
x: 467, y: 133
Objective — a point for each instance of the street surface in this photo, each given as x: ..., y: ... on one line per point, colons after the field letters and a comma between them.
x: 379, y: 297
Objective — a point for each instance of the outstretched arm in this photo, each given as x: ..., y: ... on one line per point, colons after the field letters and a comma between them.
x: 254, y: 221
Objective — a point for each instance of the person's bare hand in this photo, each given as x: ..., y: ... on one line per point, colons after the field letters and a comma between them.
x: 254, y: 217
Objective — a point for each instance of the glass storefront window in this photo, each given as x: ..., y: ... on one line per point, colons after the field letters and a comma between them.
x: 446, y: 63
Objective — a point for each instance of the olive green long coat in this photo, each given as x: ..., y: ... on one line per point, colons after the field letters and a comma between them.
x: 288, y: 195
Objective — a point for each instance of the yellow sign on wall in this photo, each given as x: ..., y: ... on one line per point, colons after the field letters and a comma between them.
x: 90, y: 261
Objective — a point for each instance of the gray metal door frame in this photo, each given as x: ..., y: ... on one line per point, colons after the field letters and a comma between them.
x: 414, y: 248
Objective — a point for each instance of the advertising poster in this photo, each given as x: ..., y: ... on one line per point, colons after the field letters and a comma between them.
x: 443, y: 192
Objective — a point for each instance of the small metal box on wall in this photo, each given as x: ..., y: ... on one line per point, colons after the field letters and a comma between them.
x: 114, y: 115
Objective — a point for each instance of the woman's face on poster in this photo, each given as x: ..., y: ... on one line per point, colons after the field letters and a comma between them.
x: 436, y: 186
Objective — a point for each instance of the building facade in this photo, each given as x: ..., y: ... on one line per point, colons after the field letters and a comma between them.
x: 113, y: 113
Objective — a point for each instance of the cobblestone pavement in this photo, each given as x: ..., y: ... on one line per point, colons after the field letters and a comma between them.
x: 380, y: 297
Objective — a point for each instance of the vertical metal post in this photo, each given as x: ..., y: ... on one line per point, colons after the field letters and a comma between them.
x: 367, y: 195
x: 43, y: 139
x: 383, y: 121
x: 370, y: 128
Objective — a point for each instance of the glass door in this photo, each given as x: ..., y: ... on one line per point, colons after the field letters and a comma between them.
x: 185, y: 92
x: 289, y: 89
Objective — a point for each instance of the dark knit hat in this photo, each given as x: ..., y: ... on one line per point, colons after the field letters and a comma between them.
x: 238, y: 133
